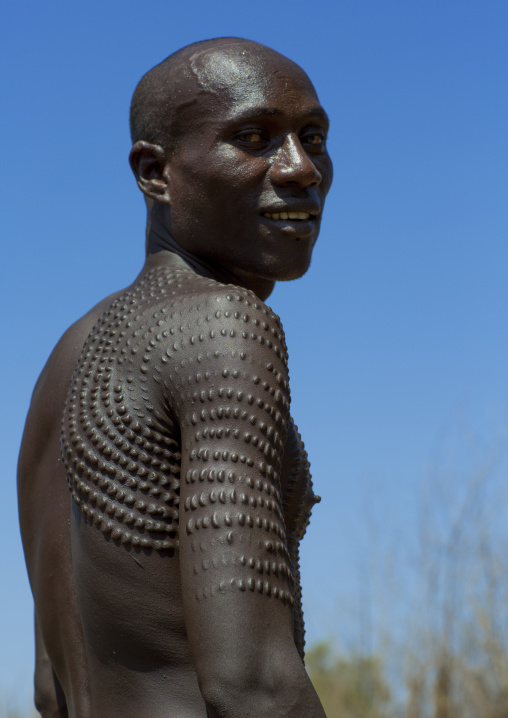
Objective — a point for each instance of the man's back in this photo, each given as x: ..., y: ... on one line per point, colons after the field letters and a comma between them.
x: 122, y: 586
x: 129, y: 592
x: 44, y: 507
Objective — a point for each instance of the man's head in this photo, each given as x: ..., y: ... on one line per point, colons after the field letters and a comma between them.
x: 167, y: 95
x: 229, y: 137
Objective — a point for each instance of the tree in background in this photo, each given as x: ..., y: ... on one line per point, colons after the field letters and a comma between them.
x: 442, y: 652
x: 353, y: 687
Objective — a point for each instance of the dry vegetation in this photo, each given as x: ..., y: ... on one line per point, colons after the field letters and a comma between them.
x: 446, y: 653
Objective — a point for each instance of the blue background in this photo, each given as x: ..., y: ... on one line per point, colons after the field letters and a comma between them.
x: 398, y: 333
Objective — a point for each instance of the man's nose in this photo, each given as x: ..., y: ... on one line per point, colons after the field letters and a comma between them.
x: 292, y: 165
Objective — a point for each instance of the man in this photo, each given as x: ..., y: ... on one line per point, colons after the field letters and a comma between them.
x: 168, y: 585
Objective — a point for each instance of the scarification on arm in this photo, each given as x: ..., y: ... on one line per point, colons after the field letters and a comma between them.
x: 233, y: 414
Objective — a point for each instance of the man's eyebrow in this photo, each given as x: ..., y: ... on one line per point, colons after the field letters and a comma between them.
x: 317, y: 112
x: 251, y: 113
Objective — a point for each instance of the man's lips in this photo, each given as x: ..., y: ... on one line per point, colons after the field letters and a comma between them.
x: 294, y: 212
x: 297, y: 223
x: 298, y: 216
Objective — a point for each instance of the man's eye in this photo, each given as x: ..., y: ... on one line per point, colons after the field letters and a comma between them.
x: 315, y: 139
x: 252, y: 137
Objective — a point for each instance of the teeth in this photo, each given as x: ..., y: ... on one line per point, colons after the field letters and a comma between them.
x: 287, y: 215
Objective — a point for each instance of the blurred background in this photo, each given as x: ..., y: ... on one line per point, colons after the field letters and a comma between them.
x: 403, y: 403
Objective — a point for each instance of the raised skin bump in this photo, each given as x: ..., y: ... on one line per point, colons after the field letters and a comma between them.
x: 123, y: 447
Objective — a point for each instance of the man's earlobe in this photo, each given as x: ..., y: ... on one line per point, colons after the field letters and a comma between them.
x: 148, y: 162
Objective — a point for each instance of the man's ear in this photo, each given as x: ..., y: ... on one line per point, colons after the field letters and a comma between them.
x: 148, y: 162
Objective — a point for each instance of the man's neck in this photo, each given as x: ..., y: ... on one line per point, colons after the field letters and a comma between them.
x: 159, y: 239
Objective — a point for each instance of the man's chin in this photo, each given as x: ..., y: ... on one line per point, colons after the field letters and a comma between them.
x: 273, y: 269
x: 286, y: 271
x: 293, y: 276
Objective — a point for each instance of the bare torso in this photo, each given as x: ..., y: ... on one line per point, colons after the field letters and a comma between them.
x: 181, y: 502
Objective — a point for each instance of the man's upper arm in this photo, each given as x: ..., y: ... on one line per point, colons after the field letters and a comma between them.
x: 228, y: 385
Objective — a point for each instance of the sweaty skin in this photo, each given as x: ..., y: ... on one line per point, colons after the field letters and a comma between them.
x: 166, y: 582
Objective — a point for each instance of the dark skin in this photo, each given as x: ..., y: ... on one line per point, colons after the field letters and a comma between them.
x: 192, y: 609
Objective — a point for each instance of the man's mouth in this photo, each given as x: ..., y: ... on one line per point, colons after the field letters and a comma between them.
x: 298, y: 216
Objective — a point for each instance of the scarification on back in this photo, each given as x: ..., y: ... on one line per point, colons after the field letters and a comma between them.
x: 177, y: 340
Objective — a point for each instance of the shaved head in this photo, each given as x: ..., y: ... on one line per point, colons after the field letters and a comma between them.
x: 165, y: 99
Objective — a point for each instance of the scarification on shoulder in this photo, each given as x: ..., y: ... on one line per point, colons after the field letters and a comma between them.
x: 120, y: 438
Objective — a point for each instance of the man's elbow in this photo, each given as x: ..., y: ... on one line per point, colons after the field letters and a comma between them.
x: 242, y: 691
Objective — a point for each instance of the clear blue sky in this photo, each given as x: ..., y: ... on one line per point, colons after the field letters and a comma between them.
x: 411, y: 265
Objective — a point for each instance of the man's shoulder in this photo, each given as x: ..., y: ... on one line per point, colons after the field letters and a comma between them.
x: 184, y: 302
x: 170, y: 325
x: 63, y: 358
x: 231, y: 305
x: 231, y: 315
x: 51, y: 388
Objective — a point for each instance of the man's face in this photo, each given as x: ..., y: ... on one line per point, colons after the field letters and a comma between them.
x: 250, y: 175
